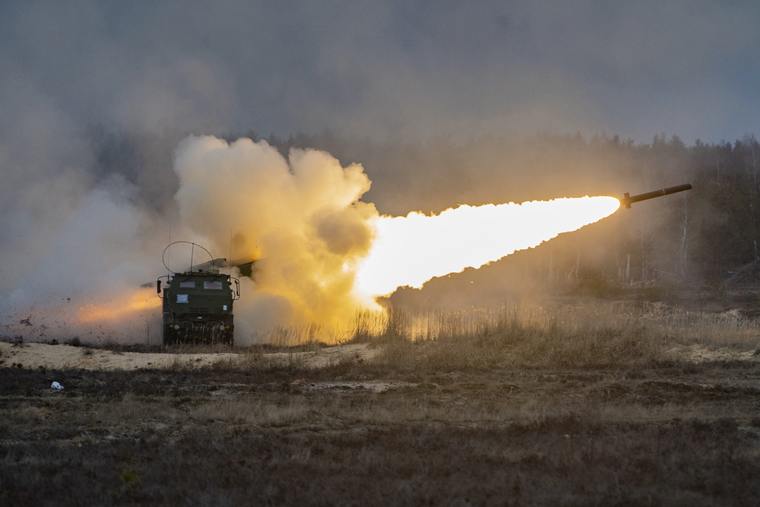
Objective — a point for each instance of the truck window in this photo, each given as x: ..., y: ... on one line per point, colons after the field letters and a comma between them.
x: 212, y: 284
x: 187, y: 284
x: 183, y: 298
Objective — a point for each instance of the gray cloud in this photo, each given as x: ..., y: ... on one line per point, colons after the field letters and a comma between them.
x: 416, y: 68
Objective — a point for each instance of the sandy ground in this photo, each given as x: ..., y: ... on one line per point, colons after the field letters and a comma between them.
x: 41, y: 355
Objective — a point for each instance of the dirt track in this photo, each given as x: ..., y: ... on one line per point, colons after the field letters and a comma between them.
x: 42, y: 355
x: 361, y: 433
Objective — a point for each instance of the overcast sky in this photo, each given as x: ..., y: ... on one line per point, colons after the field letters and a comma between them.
x: 398, y: 68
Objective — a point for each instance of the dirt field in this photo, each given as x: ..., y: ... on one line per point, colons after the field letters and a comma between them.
x: 66, y: 357
x: 372, y: 429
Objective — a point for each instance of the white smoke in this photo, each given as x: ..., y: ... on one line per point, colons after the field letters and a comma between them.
x: 74, y: 247
x: 300, y: 218
x: 79, y: 250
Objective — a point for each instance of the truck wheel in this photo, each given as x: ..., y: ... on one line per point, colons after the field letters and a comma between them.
x: 170, y: 337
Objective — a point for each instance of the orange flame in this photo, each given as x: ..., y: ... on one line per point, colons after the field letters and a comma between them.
x: 132, y: 303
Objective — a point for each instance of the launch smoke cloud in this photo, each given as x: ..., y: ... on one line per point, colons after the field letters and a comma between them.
x: 300, y: 218
x: 321, y: 254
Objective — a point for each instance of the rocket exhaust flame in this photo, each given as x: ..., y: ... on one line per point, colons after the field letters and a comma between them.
x: 410, y: 250
x: 127, y: 306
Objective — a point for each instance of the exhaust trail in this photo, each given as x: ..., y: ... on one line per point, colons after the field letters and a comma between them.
x: 410, y: 250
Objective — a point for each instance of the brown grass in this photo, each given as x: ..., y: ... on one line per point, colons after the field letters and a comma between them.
x: 595, y: 334
x: 665, y: 435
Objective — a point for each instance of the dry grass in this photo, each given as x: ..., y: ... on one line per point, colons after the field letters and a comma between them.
x: 592, y: 333
x: 597, y: 334
x: 683, y: 326
x: 525, y: 404
x: 255, y: 412
x: 364, y: 325
x: 588, y: 320
x: 668, y: 435
x: 525, y: 346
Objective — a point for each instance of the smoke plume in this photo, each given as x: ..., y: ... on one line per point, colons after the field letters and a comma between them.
x: 300, y: 219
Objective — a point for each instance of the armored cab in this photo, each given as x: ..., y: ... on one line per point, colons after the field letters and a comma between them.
x: 197, y: 308
x: 197, y: 304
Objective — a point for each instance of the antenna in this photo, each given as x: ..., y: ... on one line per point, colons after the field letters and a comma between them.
x: 192, y: 254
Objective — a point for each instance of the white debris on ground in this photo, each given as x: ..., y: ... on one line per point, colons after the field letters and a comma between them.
x: 56, y: 386
x: 41, y: 355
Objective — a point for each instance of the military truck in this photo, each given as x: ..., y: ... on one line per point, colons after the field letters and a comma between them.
x: 197, y: 303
